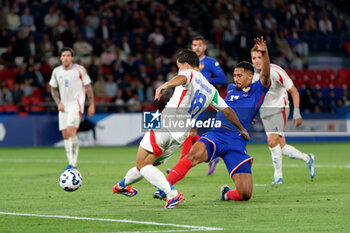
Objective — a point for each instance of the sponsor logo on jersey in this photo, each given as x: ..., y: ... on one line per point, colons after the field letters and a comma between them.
x: 201, y: 66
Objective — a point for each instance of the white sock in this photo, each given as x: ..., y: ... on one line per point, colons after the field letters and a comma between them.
x: 276, y: 154
x: 294, y: 153
x: 69, y: 150
x: 132, y: 176
x: 75, y: 150
x: 155, y: 177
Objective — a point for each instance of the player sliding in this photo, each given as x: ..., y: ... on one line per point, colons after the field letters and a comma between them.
x: 245, y: 98
x: 192, y: 95
x: 274, y: 114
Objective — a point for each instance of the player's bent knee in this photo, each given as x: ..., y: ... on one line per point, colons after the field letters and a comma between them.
x: 246, y: 195
x: 272, y: 140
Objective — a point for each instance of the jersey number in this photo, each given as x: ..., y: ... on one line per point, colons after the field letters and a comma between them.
x: 197, y: 103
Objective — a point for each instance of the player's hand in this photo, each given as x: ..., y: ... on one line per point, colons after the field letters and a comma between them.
x: 60, y: 107
x: 297, y: 122
x: 244, y: 134
x: 260, y: 44
x: 159, y: 92
x: 91, y: 110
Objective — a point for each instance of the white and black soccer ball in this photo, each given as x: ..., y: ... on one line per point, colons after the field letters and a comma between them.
x: 71, y: 180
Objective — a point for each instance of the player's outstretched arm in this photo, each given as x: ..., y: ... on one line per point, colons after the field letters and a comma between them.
x: 90, y: 98
x: 297, y: 120
x: 260, y: 45
x: 56, y: 97
x: 232, y: 117
x: 174, y: 82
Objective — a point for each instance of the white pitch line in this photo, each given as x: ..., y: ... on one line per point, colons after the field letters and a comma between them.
x: 116, y: 162
x: 198, y: 228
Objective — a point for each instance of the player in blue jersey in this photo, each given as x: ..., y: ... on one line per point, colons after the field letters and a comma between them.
x: 211, y: 70
x: 246, y: 99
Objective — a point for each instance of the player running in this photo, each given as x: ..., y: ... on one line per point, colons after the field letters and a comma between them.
x: 274, y: 114
x: 192, y: 95
x: 245, y: 98
x: 69, y: 82
x: 211, y: 70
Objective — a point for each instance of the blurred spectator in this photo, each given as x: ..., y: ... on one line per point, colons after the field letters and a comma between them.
x: 331, y: 102
x: 172, y: 72
x: 46, y: 69
x: 325, y: 25
x: 320, y: 102
x: 134, y: 103
x: 100, y: 87
x: 5, y: 94
x: 107, y: 57
x: 296, y: 63
x: 46, y: 47
x: 270, y: 21
x: 308, y: 100
x: 89, y: 32
x: 13, y: 20
x: 51, y: 19
x: 310, y: 25
x: 3, y: 38
x: 156, y: 37
x: 119, y: 100
x: 61, y: 27
x: 340, y: 107
x: 102, y: 30
x: 27, y: 88
x: 111, y: 86
x: 125, y: 44
x: 17, y: 93
x: 28, y: 20
x: 2, y: 19
x: 93, y: 19
x: 8, y: 58
x: 31, y: 47
x: 81, y: 47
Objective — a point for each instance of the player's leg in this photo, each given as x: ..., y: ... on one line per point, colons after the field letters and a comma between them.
x: 294, y: 153
x: 276, y: 154
x: 187, y: 144
x: 274, y: 127
x: 244, y: 188
x: 238, y: 164
x: 72, y: 128
x: 63, y: 125
x: 197, y: 154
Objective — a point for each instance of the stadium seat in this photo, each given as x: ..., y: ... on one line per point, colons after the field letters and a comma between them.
x: 108, y: 99
x: 37, y: 92
x: 97, y: 99
x: 2, y: 108
x: 10, y: 82
x: 11, y: 108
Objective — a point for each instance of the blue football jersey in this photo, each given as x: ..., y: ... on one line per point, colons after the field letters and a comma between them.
x: 245, y: 102
x: 211, y: 69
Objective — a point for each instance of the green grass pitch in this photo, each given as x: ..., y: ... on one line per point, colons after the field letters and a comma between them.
x: 29, y: 185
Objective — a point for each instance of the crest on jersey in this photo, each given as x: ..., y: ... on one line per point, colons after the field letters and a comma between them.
x: 246, y: 89
x: 201, y: 66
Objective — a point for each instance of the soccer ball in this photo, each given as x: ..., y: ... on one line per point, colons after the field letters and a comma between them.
x: 71, y: 180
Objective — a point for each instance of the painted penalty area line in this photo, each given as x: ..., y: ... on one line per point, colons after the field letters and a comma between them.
x: 193, y: 228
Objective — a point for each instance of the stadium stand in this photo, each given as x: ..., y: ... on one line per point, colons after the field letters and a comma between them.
x: 136, y: 41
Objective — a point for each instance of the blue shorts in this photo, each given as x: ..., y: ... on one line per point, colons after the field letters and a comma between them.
x: 230, y: 147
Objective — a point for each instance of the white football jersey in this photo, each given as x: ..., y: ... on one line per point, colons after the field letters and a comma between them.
x: 71, y: 86
x: 277, y: 97
x: 190, y: 100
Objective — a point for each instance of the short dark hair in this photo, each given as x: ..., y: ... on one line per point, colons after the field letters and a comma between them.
x: 67, y: 49
x: 188, y: 56
x: 247, y: 66
x: 199, y: 38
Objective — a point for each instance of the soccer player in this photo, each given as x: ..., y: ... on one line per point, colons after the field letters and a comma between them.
x: 210, y: 68
x: 69, y: 82
x: 274, y: 114
x: 245, y: 98
x: 192, y: 95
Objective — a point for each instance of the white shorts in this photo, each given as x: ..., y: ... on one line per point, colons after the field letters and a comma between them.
x: 276, y: 124
x: 66, y: 119
x: 161, y: 144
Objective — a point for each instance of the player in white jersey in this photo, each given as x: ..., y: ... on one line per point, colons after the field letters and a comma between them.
x: 192, y: 95
x: 274, y: 114
x: 69, y: 84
